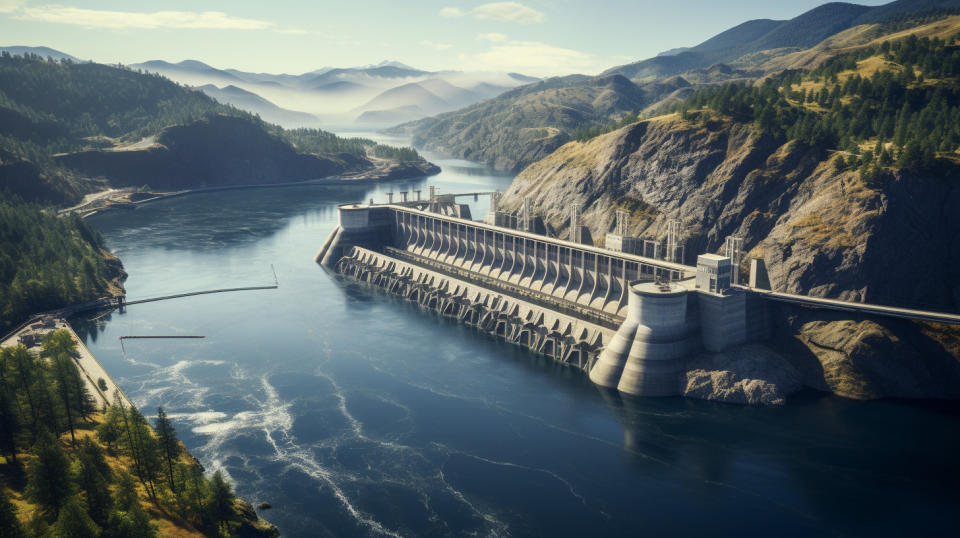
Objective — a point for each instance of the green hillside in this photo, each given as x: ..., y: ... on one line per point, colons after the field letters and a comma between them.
x: 68, y: 468
x: 527, y: 123
x: 894, y: 104
x: 46, y: 262
x: 54, y: 107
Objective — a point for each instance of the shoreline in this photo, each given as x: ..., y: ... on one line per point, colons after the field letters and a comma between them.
x: 31, y: 334
x: 330, y: 181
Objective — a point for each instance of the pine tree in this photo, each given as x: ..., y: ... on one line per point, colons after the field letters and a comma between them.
x: 143, y: 449
x: 62, y: 365
x: 93, y: 478
x: 125, y: 496
x: 74, y: 522
x: 110, y: 431
x: 9, y: 426
x: 169, y: 445
x: 19, y: 358
x: 134, y: 523
x: 220, y: 502
x: 49, y: 481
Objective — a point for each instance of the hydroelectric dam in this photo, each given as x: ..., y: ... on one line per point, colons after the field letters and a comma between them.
x: 630, y: 321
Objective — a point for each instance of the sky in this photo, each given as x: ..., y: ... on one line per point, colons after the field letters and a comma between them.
x: 535, y: 37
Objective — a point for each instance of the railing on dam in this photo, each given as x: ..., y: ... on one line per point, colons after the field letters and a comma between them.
x: 585, y: 275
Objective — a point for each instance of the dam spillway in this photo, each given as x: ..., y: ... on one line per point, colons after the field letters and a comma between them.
x: 607, y: 312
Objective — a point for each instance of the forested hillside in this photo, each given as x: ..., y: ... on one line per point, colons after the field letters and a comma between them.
x: 47, y: 262
x: 781, y: 37
x: 68, y: 468
x: 54, y: 107
x: 895, y: 104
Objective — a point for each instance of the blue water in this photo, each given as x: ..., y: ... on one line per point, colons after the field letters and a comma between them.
x: 357, y: 414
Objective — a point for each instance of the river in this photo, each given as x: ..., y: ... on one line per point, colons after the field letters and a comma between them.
x: 355, y: 413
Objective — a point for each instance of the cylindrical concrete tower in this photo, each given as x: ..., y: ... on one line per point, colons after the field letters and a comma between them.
x: 646, y: 355
x: 359, y: 225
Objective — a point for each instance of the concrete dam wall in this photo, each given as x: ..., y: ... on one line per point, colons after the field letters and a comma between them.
x: 561, y: 337
x: 609, y: 313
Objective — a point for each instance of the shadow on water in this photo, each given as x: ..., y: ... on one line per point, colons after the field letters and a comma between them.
x: 90, y: 325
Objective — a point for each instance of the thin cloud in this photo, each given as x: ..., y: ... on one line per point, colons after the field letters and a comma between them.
x: 8, y: 6
x: 530, y: 57
x: 94, y: 18
x: 498, y: 11
x: 492, y: 37
x: 436, y: 46
x: 451, y: 12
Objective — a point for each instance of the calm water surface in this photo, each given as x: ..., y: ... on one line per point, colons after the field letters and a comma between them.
x: 357, y: 414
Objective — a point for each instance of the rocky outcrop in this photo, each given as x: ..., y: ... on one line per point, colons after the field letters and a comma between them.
x: 752, y: 374
x: 872, y: 358
x: 251, y: 526
x: 819, y: 231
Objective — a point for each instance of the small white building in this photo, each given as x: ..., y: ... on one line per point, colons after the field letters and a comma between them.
x: 623, y: 243
x: 713, y: 273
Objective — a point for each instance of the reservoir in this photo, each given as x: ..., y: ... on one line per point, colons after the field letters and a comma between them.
x: 354, y: 413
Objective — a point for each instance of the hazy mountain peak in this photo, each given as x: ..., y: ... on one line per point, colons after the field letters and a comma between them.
x: 44, y: 52
x: 390, y: 63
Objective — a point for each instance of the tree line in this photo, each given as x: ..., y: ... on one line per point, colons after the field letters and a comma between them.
x: 324, y: 143
x: 88, y: 485
x: 908, y: 112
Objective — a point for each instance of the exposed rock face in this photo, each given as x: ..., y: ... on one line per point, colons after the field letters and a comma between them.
x: 819, y: 232
x: 752, y: 374
x: 251, y: 526
x: 874, y: 358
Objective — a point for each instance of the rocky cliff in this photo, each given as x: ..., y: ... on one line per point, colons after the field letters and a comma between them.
x: 819, y: 231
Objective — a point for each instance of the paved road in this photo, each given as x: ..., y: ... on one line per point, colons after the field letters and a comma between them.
x: 90, y: 368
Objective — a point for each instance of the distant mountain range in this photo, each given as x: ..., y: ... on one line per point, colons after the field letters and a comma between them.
x: 523, y: 125
x: 375, y: 95
x: 801, y: 32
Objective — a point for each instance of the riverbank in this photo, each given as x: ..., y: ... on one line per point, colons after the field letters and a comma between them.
x: 130, y: 198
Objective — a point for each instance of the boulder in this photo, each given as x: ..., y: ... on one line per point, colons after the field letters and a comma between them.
x: 753, y: 374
